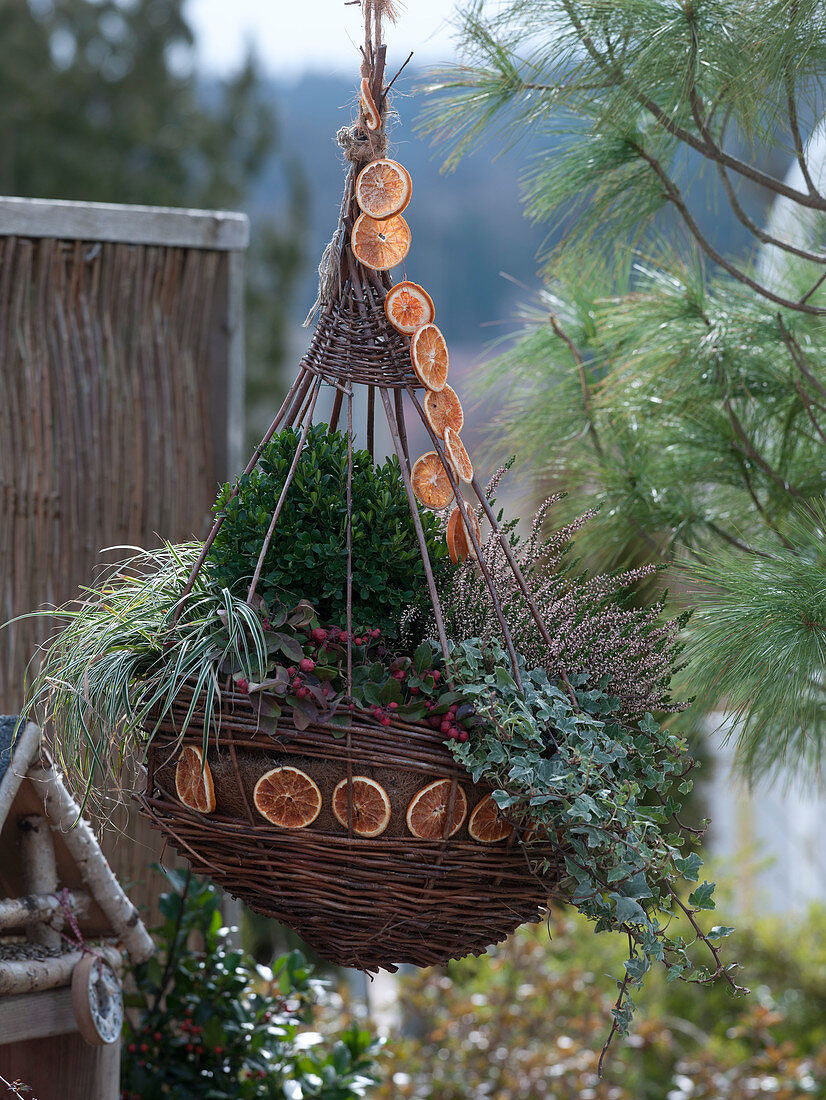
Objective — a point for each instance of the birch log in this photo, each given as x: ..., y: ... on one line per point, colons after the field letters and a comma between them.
x: 39, y: 909
x: 39, y: 867
x: 31, y: 975
x: 65, y: 816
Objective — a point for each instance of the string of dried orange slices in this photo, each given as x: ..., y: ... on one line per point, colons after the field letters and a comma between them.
x: 287, y: 796
x: 381, y: 240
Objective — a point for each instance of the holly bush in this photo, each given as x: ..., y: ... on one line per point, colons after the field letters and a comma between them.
x: 307, y: 557
x: 199, y: 1026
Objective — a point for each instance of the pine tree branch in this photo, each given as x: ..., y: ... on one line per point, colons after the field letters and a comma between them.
x: 751, y: 452
x: 675, y: 196
x: 586, y: 391
x: 808, y: 407
x: 798, y: 357
x: 794, y: 126
x: 732, y: 541
x: 815, y: 286
x: 710, y: 150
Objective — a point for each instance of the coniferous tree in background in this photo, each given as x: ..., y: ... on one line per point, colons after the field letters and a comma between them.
x: 99, y: 101
x: 682, y: 386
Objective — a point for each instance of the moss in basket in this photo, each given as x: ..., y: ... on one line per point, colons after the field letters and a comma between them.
x: 307, y: 558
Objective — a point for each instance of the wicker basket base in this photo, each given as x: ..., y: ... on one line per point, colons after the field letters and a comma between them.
x: 365, y: 903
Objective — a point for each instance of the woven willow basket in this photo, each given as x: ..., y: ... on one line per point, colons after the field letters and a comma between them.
x: 359, y: 902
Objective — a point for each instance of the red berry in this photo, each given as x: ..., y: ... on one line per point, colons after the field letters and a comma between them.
x: 131, y: 1048
x: 157, y: 1036
x: 190, y: 1047
x: 144, y: 1048
x: 141, y: 1062
x: 385, y: 721
x: 435, y: 721
x: 243, y: 685
x: 199, y: 1050
x: 291, y: 671
x: 445, y: 725
x: 436, y: 674
x: 218, y: 1050
x: 392, y: 706
x: 399, y: 674
x: 319, y: 635
x: 463, y: 735
x: 307, y: 664
x: 414, y: 690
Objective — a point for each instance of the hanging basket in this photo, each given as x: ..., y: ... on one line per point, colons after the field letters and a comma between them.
x: 360, y: 902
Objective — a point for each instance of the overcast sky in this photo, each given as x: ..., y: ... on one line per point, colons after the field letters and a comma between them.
x: 314, y: 34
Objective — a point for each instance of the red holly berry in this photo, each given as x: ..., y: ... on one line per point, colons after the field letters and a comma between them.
x: 463, y: 735
x: 319, y: 635
x: 131, y: 1048
x: 385, y: 721
x: 445, y: 725
x: 307, y: 664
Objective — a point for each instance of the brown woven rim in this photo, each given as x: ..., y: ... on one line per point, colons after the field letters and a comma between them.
x: 364, y: 903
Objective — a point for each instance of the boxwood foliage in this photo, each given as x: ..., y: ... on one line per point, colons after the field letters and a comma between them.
x: 307, y: 557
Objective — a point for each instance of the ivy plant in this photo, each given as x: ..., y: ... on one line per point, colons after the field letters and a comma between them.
x: 607, y: 791
x: 307, y: 556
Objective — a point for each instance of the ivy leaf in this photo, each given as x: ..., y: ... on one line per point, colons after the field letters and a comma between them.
x: 719, y: 932
x: 628, y: 911
x: 702, y: 898
x: 689, y: 867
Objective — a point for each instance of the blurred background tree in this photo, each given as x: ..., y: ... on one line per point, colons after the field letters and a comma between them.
x: 681, y: 385
x: 100, y: 101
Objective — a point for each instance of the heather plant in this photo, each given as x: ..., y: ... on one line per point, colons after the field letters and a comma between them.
x: 307, y: 557
x: 596, y: 633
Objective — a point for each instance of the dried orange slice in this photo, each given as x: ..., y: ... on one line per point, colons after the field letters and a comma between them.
x: 427, y: 813
x: 459, y: 545
x: 193, y: 781
x: 428, y: 351
x: 430, y: 481
x: 408, y: 306
x: 371, y: 806
x: 443, y: 409
x: 459, y: 458
x: 380, y: 244
x: 383, y: 188
x: 287, y: 797
x: 487, y: 824
x: 372, y: 118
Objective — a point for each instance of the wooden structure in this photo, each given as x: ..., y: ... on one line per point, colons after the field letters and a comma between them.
x: 121, y: 408
x: 121, y: 392
x: 62, y: 912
